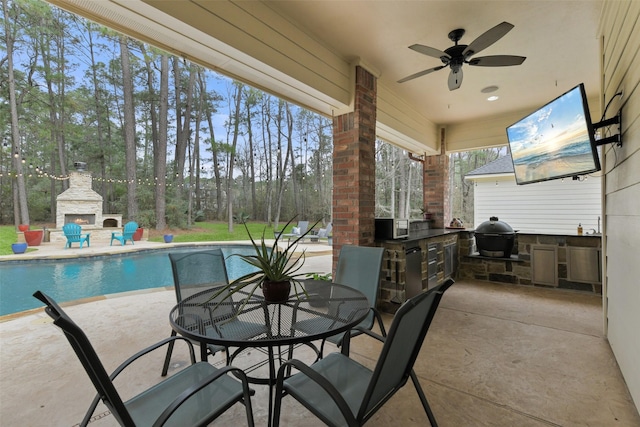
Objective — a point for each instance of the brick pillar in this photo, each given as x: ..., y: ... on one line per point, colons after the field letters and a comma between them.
x: 354, y: 140
x: 435, y: 171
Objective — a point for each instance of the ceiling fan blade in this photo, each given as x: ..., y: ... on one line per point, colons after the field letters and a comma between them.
x: 429, y: 51
x: 487, y: 39
x: 497, y: 60
x: 455, y: 79
x: 421, y: 73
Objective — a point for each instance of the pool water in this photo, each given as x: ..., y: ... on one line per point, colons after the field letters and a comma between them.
x: 73, y: 279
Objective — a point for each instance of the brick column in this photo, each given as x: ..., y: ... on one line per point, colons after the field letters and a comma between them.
x: 354, y: 140
x: 435, y: 184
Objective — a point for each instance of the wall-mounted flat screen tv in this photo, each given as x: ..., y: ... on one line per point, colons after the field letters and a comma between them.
x: 556, y: 141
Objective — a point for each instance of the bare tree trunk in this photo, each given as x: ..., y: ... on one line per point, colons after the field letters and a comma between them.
x: 183, y: 127
x: 196, y: 144
x: 20, y: 187
x: 268, y: 155
x: 232, y: 155
x: 98, y: 106
x: 129, y: 130
x: 160, y: 149
x: 291, y: 155
x: 250, y: 102
x: 216, y: 165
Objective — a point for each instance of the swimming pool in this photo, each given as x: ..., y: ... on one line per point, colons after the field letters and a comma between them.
x: 73, y: 279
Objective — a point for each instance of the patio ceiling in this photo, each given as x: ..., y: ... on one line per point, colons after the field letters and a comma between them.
x: 304, y: 51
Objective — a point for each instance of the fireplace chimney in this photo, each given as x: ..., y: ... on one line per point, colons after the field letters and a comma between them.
x: 80, y: 166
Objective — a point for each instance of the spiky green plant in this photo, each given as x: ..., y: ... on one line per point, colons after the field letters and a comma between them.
x: 273, y: 264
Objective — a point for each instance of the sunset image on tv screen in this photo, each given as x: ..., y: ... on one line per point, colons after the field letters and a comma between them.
x: 553, y: 142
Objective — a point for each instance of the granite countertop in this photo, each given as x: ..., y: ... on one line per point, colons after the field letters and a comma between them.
x: 426, y: 234
x: 560, y: 234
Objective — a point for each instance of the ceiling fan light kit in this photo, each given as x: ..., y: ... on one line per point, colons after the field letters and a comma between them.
x: 455, y: 56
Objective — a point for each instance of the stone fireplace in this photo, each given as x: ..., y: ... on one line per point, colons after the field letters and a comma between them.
x: 79, y: 204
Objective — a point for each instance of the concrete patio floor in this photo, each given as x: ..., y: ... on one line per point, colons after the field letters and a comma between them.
x: 496, y: 355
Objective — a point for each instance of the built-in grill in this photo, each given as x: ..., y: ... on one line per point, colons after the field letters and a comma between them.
x: 495, y: 238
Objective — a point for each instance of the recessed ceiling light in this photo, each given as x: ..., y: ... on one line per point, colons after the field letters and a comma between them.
x: 489, y: 89
x: 492, y: 98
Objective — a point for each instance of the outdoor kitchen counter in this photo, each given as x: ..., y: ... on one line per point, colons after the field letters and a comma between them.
x: 557, y: 260
x: 419, y: 262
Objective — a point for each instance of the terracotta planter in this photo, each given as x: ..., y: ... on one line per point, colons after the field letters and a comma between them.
x: 137, y: 235
x: 23, y: 227
x: 276, y: 291
x: 19, y: 248
x: 33, y: 237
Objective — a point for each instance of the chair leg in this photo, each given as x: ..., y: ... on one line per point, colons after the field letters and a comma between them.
x: 167, y: 358
x: 423, y: 399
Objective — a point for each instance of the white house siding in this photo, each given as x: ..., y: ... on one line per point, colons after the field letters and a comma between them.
x: 620, y: 34
x: 555, y: 207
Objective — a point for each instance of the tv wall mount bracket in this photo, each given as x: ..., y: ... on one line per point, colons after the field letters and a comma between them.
x: 615, y: 120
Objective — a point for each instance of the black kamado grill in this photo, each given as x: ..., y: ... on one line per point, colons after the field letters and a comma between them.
x: 495, y: 238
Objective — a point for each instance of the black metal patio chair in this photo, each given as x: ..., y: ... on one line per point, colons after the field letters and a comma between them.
x: 194, y: 396
x: 341, y: 391
x: 359, y: 267
x: 195, y: 272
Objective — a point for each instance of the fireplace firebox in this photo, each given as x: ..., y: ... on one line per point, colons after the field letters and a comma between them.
x: 80, y: 219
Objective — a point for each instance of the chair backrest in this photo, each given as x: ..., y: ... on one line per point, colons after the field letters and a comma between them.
x: 401, y: 347
x: 324, y: 232
x: 194, y: 272
x: 71, y: 229
x: 89, y: 359
x: 360, y: 267
x: 129, y: 229
x: 303, y: 226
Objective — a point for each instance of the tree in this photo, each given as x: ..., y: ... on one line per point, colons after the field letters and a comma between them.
x: 21, y: 208
x: 160, y: 146
x: 234, y: 129
x: 129, y: 129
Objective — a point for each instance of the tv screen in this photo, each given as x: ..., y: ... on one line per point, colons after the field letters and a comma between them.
x: 556, y: 141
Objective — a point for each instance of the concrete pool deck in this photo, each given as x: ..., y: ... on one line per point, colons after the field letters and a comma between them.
x: 51, y: 250
x: 496, y: 355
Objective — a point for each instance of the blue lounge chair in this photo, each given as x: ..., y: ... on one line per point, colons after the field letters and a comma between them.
x: 127, y: 233
x: 73, y: 233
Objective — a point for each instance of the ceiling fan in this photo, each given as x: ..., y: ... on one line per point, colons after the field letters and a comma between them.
x: 460, y: 54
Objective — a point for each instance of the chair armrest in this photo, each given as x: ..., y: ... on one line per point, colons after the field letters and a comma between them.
x: 370, y: 333
x: 151, y: 348
x: 132, y: 359
x: 185, y: 395
x: 345, y: 344
x: 321, y: 381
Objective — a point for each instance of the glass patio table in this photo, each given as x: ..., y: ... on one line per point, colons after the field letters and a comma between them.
x: 242, y: 321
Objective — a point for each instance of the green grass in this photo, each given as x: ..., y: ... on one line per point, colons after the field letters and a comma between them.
x: 218, y: 231
x: 8, y: 236
x: 213, y: 231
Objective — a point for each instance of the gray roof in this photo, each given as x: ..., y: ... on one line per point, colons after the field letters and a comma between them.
x: 500, y: 166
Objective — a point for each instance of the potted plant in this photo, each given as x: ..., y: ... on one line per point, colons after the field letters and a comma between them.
x: 33, y: 237
x: 18, y: 248
x: 317, y: 284
x: 137, y: 235
x: 277, y: 269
